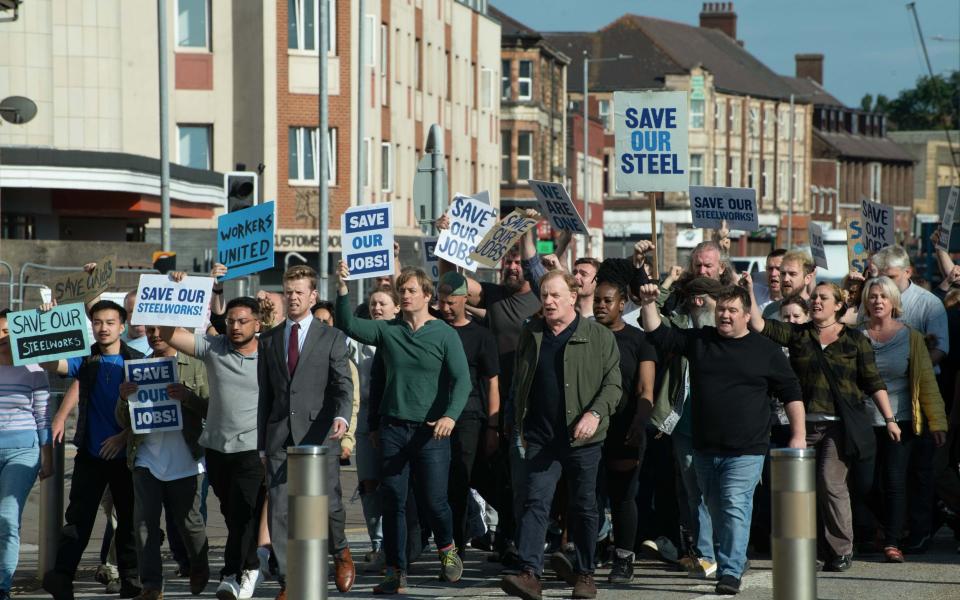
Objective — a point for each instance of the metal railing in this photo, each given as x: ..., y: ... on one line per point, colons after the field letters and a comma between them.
x: 9, y: 283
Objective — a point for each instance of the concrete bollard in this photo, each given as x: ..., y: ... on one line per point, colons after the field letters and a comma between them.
x: 794, y: 530
x: 51, y: 504
x: 307, y: 523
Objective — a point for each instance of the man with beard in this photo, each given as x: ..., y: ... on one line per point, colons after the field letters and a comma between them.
x: 479, y: 424
x: 797, y: 272
x: 771, y: 292
x: 585, y: 272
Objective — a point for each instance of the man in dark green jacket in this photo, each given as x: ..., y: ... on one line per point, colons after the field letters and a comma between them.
x: 567, y: 383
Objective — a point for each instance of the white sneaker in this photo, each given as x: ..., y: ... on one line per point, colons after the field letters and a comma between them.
x: 248, y: 583
x: 228, y: 590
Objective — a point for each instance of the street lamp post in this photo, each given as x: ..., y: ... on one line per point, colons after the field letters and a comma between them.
x: 586, y: 131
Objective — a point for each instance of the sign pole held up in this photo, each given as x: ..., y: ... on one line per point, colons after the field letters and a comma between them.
x: 655, y: 265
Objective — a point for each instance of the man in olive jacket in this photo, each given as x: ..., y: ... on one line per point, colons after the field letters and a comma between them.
x: 566, y: 385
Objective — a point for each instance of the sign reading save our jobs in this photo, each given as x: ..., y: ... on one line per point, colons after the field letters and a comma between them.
x: 556, y: 205
x: 651, y: 141
x: 46, y: 336
x: 878, y: 225
x: 81, y: 286
x: 817, y: 249
x: 430, y: 262
x: 501, y: 238
x: 245, y: 240
x: 470, y: 220
x: 368, y: 240
x: 949, y: 218
x: 162, y: 301
x: 736, y: 206
x: 151, y: 409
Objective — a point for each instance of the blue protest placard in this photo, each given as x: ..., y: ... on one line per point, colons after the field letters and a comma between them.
x: 367, y: 240
x: 245, y: 240
x: 431, y: 264
x: 37, y: 337
x: 151, y: 408
x: 650, y: 137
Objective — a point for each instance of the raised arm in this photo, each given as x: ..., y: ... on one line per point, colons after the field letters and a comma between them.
x: 217, y: 303
x: 649, y: 315
x: 757, y: 322
x: 364, y: 331
x: 180, y: 339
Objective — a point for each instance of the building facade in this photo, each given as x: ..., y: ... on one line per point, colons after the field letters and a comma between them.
x: 935, y: 172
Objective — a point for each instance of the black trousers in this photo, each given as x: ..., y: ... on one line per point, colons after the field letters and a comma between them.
x: 91, y: 476
x: 464, y: 447
x: 237, y: 480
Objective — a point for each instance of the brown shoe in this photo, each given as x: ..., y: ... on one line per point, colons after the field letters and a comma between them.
x: 525, y: 585
x: 150, y: 595
x: 344, y: 570
x: 585, y: 586
x: 199, y: 580
x: 282, y: 595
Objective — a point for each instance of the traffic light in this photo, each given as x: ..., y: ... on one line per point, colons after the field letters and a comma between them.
x: 241, y: 190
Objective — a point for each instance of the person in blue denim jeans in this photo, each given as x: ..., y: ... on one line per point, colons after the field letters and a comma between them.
x: 25, y: 448
x: 733, y: 373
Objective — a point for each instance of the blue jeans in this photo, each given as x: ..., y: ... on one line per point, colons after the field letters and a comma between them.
x: 694, y: 516
x: 727, y: 484
x: 18, y: 471
x: 407, y: 446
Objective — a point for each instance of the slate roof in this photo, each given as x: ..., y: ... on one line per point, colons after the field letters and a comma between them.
x: 510, y: 27
x: 864, y: 147
x: 812, y: 90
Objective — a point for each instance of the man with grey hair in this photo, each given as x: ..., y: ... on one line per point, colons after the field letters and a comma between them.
x: 924, y: 312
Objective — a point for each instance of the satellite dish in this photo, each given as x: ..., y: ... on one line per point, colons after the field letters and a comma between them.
x: 18, y: 110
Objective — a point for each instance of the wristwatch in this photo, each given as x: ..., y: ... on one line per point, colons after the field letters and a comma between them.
x: 596, y: 414
x: 890, y: 419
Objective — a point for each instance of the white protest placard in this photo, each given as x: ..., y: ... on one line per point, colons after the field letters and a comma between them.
x: 470, y: 220
x: 817, y: 248
x: 651, y: 141
x: 736, y: 206
x: 151, y: 409
x: 367, y: 240
x: 949, y: 218
x: 878, y: 225
x: 557, y: 207
x: 431, y: 264
x: 162, y: 301
x: 501, y: 238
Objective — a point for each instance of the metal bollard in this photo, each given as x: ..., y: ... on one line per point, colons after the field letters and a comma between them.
x: 307, y: 523
x: 794, y: 530
x: 51, y: 505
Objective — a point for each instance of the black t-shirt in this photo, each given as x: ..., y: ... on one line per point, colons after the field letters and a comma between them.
x: 483, y: 360
x: 731, y: 381
x: 634, y: 349
x: 546, y: 420
x: 506, y: 313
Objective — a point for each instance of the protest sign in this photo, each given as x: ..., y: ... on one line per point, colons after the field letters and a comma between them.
x: 46, y: 336
x: 501, y: 238
x: 712, y: 205
x: 470, y: 220
x: 857, y: 254
x: 151, y: 409
x: 430, y: 262
x: 949, y: 218
x: 557, y: 207
x: 368, y: 240
x: 245, y: 240
x: 81, y: 286
x: 878, y: 225
x: 817, y: 248
x: 162, y: 301
x: 651, y: 141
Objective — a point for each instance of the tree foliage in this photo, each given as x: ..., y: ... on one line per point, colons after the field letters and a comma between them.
x: 932, y: 104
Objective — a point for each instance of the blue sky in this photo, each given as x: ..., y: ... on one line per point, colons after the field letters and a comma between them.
x: 869, y: 46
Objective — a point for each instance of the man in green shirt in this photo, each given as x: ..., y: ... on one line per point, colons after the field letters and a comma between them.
x: 428, y: 382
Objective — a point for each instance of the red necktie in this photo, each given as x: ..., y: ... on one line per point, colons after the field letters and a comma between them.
x: 293, y: 349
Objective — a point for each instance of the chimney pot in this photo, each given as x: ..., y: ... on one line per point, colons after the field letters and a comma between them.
x: 810, y: 66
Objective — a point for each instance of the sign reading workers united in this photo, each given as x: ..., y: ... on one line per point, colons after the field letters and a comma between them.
x: 368, y: 240
x: 151, y: 408
x: 245, y: 240
x: 162, y: 301
x: 60, y: 333
x: 711, y: 206
x: 651, y: 141
x: 470, y: 220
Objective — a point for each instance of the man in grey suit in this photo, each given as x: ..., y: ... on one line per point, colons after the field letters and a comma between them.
x: 306, y: 398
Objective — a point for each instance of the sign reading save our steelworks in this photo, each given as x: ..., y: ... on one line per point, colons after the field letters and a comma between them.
x: 651, y: 141
x: 710, y: 206
x: 46, y: 336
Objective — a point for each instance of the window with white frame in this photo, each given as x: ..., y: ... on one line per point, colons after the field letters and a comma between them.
x: 505, y: 142
x: 797, y: 180
x: 798, y: 121
x: 370, y: 32
x: 696, y: 169
x: 735, y: 117
x: 876, y: 173
x: 524, y: 155
x: 525, y: 80
x: 753, y: 171
x: 784, y: 125
x: 367, y: 150
x: 782, y: 191
x: 769, y: 120
x: 486, y: 89
x: 735, y: 170
x: 194, y: 146
x: 505, y: 80
x: 603, y: 111
x: 696, y: 114
x: 193, y: 24
x: 765, y: 180
x: 303, y: 156
x: 384, y: 62
x: 302, y: 30
x: 753, y: 117
x: 720, y: 115
x: 718, y: 169
x: 386, y: 167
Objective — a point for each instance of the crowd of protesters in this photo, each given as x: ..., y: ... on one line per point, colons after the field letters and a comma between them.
x: 562, y: 418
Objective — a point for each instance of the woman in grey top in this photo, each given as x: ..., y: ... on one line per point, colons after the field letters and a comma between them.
x: 904, y: 365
